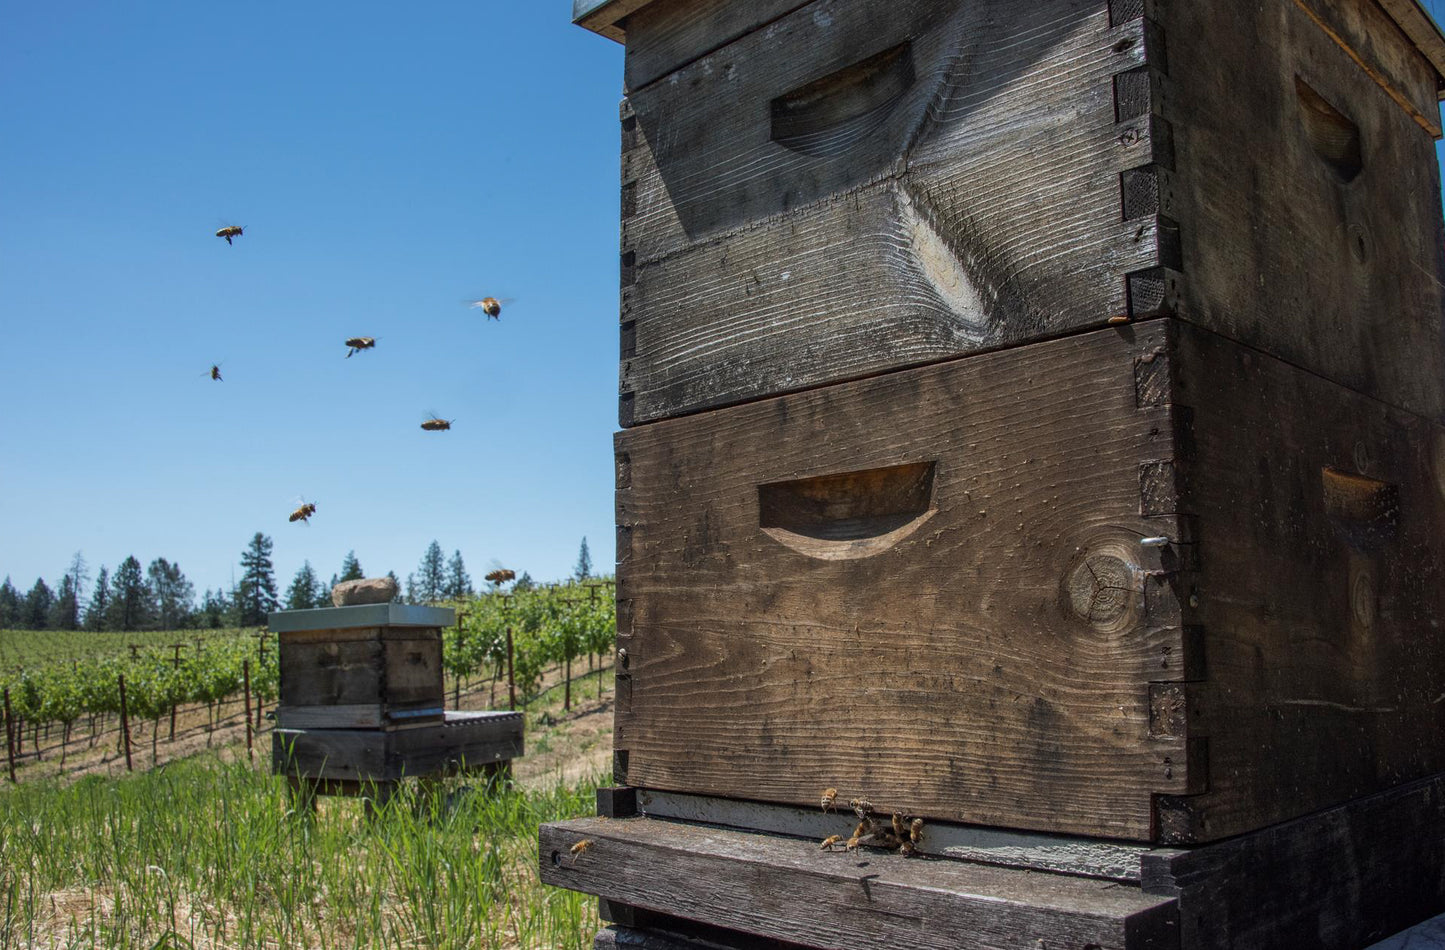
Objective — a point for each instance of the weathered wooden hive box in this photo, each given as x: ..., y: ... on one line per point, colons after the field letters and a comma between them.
x: 371, y: 666
x: 1032, y: 409
x: 361, y: 700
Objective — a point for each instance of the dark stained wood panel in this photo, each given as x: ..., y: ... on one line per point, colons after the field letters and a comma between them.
x: 986, y: 659
x: 786, y: 889
x: 961, y: 192
x: 1320, y: 590
x: 464, y: 740
x: 664, y: 36
x: 1340, y: 274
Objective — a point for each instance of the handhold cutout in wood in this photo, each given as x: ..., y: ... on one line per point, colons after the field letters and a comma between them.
x: 828, y: 116
x: 1364, y: 510
x: 848, y: 515
x: 1332, y: 135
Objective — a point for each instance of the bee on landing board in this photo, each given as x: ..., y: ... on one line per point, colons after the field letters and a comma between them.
x: 829, y: 800
x: 435, y: 424
x: 303, y: 513
x: 229, y: 231
x: 491, y: 306
x: 830, y: 842
x: 359, y: 343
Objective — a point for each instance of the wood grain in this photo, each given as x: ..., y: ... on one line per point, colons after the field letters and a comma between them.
x: 1319, y: 593
x: 395, y: 673
x: 662, y: 37
x: 984, y: 210
x: 954, y: 674
x: 1343, y: 278
x: 1337, y: 880
x: 782, y: 888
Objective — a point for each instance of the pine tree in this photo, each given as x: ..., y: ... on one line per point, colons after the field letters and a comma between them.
x: 79, y: 576
x: 351, y: 568
x: 9, y: 605
x: 256, y: 594
x: 65, y: 612
x: 35, y: 612
x: 175, y: 596
x: 215, y: 609
x: 305, y: 590
x: 458, y: 583
x: 132, y: 602
x: 99, y: 606
x: 398, y: 598
x: 524, y: 582
x: 583, y: 570
x: 429, y: 583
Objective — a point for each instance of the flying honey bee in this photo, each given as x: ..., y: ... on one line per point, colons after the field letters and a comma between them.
x: 830, y: 798
x: 303, y: 513
x: 491, y: 306
x: 862, y: 807
x: 435, y: 424
x: 580, y: 848
x: 501, y: 575
x: 829, y: 842
x: 229, y: 231
x: 216, y: 372
x: 359, y: 343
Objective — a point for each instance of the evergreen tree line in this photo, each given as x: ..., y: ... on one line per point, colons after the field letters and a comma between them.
x: 161, y: 598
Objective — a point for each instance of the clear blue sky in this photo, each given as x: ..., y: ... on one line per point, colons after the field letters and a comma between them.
x: 387, y: 162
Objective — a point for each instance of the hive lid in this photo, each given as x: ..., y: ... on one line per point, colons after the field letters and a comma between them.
x: 608, y: 17
x: 360, y: 615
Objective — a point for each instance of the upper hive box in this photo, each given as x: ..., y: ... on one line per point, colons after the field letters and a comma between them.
x: 815, y: 192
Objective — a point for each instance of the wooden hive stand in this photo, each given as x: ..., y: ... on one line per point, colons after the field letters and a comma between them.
x: 1031, y: 424
x: 362, y: 704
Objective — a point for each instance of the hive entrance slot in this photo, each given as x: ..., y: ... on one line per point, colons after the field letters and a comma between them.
x: 827, y: 116
x: 848, y: 515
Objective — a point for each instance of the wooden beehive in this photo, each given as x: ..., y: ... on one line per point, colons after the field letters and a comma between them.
x: 371, y: 666
x: 813, y: 192
x: 1032, y: 408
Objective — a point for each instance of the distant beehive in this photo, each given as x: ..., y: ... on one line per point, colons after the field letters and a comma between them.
x: 374, y: 666
x: 1161, y: 558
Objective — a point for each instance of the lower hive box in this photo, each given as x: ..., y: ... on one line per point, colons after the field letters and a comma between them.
x: 1141, y: 583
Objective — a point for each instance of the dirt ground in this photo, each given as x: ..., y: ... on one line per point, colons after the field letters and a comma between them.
x: 560, y: 744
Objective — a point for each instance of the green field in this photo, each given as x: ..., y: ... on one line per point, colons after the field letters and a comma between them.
x: 203, y: 853
x: 32, y: 648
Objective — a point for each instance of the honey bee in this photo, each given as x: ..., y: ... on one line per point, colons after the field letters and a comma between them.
x: 900, y: 826
x: 852, y: 844
x: 878, y: 839
x: 303, y: 513
x: 229, y: 231
x: 580, y: 848
x: 359, y: 343
x: 829, y: 842
x: 862, y: 807
x: 915, y: 830
x: 216, y: 372
x: 491, y: 306
x: 435, y: 424
x: 830, y: 798
x: 907, y: 850
x: 1118, y: 320
x: 501, y: 575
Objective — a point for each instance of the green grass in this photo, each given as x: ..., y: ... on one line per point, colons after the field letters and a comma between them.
x: 207, y: 854
x: 35, y: 648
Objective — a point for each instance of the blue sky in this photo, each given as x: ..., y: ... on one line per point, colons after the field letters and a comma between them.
x: 387, y: 161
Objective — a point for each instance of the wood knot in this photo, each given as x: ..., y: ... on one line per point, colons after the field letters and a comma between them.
x: 1102, y: 587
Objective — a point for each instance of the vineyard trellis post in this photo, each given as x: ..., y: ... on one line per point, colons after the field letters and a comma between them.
x: 511, y: 677
x: 125, y: 723
x: 246, y: 691
x: 10, y: 735
x: 261, y: 659
x: 461, y: 640
x: 176, y: 663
